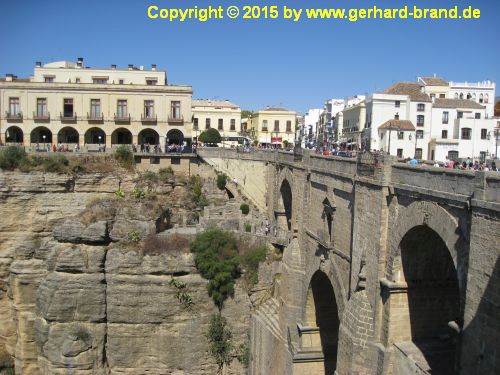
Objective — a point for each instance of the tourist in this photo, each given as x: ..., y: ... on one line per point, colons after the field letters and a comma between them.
x: 494, y: 166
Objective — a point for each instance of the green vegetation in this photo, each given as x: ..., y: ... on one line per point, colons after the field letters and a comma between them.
x: 11, y: 157
x: 245, y: 113
x: 219, y: 336
x: 120, y: 193
x: 210, y: 136
x: 123, y: 154
x: 248, y: 227
x: 138, y: 194
x: 221, y: 181
x: 182, y: 294
x: 166, y: 175
x: 195, y: 185
x: 250, y: 261
x: 243, y: 354
x: 134, y: 236
x: 245, y: 208
x: 216, y: 257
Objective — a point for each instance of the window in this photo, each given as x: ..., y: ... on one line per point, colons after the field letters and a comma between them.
x: 100, y: 81
x: 289, y: 126
x: 420, y: 120
x: 264, y: 125
x: 460, y: 114
x: 233, y: 124
x: 420, y: 134
x: 77, y: 80
x: 444, y: 134
x: 418, y: 153
x: 397, y: 104
x: 456, y: 95
x: 420, y: 107
x: 175, y: 107
x: 466, y: 132
x: 121, y: 81
x: 41, y: 107
x: 453, y: 155
x: 461, y: 96
x: 482, y: 156
x: 149, y: 108
x: 68, y: 108
x: 151, y: 82
x: 445, y: 117
x: 276, y: 125
x: 122, y: 108
x: 469, y: 96
x: 486, y: 98
x: 95, y: 108
x: 484, y: 133
x: 195, y: 123
x: 207, y: 123
x: 14, y: 108
x: 399, y: 152
x: 477, y: 116
x: 480, y: 98
x: 401, y: 135
x: 220, y: 124
x: 442, y: 96
x: 48, y: 79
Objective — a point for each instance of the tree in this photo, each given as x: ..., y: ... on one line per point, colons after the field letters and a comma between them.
x: 245, y: 113
x: 210, y: 136
x: 219, y: 337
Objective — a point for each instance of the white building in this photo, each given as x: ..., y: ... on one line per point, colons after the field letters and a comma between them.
x: 311, y: 122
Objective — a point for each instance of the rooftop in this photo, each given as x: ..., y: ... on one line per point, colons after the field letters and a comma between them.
x: 456, y: 103
x: 213, y: 103
x: 412, y: 89
x: 397, y: 125
x: 434, y: 81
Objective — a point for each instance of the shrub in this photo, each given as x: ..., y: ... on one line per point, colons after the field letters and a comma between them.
x: 216, y: 258
x: 134, y: 236
x: 119, y: 193
x: 124, y: 155
x: 11, y: 157
x: 221, y: 181
x: 243, y: 354
x: 55, y: 164
x: 138, y: 194
x: 195, y: 185
x: 248, y: 227
x: 210, y: 136
x: 166, y: 174
x: 245, y: 208
x: 156, y: 245
x: 250, y: 261
x: 219, y: 337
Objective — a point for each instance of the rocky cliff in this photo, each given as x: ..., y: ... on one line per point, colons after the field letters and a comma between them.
x: 77, y: 296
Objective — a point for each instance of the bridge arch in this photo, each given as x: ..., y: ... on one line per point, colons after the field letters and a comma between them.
x: 426, y: 288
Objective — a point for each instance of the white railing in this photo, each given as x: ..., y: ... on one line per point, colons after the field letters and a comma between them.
x: 483, y: 84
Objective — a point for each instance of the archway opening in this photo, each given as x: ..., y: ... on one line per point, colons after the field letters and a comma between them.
x: 95, y: 136
x: 149, y: 136
x: 41, y: 134
x: 284, y: 214
x: 175, y: 137
x: 68, y: 135
x: 428, y: 314
x: 322, y: 321
x: 14, y: 134
x: 121, y: 136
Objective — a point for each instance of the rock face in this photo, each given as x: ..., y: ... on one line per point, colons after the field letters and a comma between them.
x: 73, y: 300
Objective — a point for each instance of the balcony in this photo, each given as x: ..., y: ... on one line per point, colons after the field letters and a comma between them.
x: 95, y: 117
x: 122, y: 118
x: 14, y: 116
x: 149, y: 119
x: 41, y: 117
x: 176, y: 120
x: 68, y: 117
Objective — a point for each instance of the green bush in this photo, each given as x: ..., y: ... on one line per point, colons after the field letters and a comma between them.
x: 166, y: 174
x: 11, y: 157
x: 250, y: 261
x: 221, y: 181
x: 195, y: 185
x: 248, y: 227
x: 216, y: 257
x: 138, y: 194
x: 55, y: 164
x: 134, y: 236
x: 245, y: 208
x: 219, y: 337
x: 210, y: 136
x: 123, y: 154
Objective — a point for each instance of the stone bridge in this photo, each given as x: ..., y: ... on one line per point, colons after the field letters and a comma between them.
x: 390, y: 268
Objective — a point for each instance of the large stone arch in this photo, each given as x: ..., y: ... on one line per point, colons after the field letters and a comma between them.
x: 148, y: 136
x: 41, y: 134
x: 95, y: 135
x: 121, y: 136
x: 14, y: 134
x: 68, y: 134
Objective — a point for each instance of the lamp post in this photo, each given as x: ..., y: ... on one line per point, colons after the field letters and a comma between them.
x: 99, y: 143
x: 44, y: 145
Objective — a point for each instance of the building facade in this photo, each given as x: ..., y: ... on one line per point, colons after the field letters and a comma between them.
x: 68, y: 103
x: 221, y: 115
x: 273, y: 126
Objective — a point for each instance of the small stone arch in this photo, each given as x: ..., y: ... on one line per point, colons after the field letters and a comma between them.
x: 121, y: 136
x: 174, y: 136
x: 37, y: 135
x: 148, y: 136
x: 68, y: 134
x: 14, y: 134
x: 95, y: 136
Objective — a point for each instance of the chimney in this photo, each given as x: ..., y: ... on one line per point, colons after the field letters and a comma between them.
x: 396, y: 116
x: 113, y: 66
x: 38, y: 64
x: 9, y: 77
x: 130, y: 66
x: 153, y: 66
x: 79, y: 62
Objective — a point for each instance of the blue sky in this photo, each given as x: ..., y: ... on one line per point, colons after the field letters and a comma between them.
x: 257, y: 62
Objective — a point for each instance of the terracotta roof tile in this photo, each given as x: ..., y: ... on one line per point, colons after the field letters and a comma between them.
x: 412, y: 89
x: 397, y: 125
x: 434, y: 81
x: 456, y: 103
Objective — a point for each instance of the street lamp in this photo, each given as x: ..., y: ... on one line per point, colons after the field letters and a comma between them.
x: 99, y: 143
x: 44, y: 145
